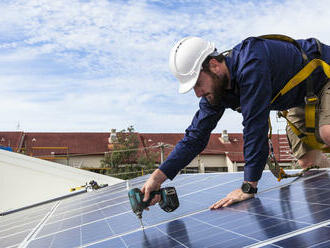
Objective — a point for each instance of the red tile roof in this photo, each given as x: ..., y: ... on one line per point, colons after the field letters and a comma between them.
x: 97, y: 143
x: 152, y: 141
x: 77, y: 143
x: 11, y: 139
x: 233, y: 149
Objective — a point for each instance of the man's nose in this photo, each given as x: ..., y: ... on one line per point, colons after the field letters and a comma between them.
x: 198, y: 91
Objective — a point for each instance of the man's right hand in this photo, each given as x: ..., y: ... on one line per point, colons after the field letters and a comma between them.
x: 153, y: 184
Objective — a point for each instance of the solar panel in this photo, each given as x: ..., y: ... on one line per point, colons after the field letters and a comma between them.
x: 293, y: 212
x: 15, y: 227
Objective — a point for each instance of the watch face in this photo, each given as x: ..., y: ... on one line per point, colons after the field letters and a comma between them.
x: 246, y: 187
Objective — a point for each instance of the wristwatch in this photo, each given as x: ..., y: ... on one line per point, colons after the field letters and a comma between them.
x: 248, y: 188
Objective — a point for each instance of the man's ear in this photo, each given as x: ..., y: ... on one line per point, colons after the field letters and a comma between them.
x: 214, y: 66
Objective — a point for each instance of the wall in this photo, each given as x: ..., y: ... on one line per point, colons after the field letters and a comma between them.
x: 89, y: 161
x: 208, y: 161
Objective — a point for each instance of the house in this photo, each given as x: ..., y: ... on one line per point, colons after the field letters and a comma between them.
x: 223, y: 153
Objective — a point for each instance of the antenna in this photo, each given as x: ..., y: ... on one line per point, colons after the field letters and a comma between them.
x: 18, y: 127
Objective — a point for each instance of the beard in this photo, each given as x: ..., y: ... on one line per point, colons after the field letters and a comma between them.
x: 217, y: 92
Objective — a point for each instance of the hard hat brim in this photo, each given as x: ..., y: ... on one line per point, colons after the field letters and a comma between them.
x: 187, y: 86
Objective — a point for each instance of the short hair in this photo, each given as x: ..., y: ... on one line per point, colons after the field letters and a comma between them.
x: 205, y: 65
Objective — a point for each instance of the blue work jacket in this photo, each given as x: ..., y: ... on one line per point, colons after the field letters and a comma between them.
x: 259, y: 69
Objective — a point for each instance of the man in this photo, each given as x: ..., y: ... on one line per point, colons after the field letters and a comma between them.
x: 248, y: 78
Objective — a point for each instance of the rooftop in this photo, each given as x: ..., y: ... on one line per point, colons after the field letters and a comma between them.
x: 82, y: 143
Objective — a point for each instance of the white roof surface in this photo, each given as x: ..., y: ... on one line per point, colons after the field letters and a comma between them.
x: 25, y: 180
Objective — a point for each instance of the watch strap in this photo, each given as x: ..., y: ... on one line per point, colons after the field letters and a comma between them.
x: 251, y: 190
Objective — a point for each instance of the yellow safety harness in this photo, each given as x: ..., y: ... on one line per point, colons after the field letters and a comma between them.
x: 311, y: 100
x: 308, y: 136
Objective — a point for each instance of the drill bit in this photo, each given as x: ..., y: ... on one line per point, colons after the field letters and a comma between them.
x: 139, y: 215
x: 141, y: 223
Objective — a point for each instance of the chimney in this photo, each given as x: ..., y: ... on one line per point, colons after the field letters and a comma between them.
x: 112, y: 138
x: 224, y: 137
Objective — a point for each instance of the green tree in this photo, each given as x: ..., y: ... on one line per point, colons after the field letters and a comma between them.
x: 124, y: 160
x: 124, y: 149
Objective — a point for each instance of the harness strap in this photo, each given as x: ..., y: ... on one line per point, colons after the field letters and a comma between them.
x: 302, y: 75
x: 275, y: 168
x: 307, y: 137
x: 311, y: 102
x: 287, y: 39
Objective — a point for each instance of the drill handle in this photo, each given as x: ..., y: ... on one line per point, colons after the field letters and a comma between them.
x: 151, y: 196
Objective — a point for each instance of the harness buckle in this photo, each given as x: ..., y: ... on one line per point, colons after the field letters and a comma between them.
x: 313, y: 99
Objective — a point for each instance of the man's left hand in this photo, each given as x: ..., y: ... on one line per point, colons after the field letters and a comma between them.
x: 235, y: 196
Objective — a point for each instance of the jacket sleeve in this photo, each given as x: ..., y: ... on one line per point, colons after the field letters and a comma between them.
x: 255, y: 96
x: 195, y: 139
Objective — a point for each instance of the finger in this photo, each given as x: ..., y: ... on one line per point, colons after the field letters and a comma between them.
x: 228, y: 203
x: 214, y: 206
x: 225, y: 201
x: 155, y: 200
x: 218, y: 204
x: 146, y: 195
x: 143, y: 189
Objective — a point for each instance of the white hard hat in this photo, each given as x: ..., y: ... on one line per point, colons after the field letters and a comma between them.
x: 186, y: 59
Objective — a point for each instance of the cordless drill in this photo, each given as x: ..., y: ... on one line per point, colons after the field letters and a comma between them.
x: 169, y: 200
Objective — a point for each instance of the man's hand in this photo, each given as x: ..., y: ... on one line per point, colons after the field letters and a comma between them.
x: 235, y: 196
x: 153, y: 184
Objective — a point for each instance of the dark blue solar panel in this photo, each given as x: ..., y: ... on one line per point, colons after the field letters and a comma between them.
x: 95, y: 231
x: 104, y: 218
x: 315, y: 238
x: 114, y: 243
x: 249, y: 222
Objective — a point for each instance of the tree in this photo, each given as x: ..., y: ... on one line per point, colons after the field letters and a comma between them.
x: 124, y: 161
x: 124, y: 149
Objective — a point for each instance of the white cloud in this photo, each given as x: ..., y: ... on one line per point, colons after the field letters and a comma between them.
x: 93, y: 65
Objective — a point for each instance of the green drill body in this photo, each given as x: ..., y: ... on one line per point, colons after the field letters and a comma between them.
x: 169, y: 200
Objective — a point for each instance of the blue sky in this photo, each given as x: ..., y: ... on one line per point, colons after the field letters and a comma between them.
x: 89, y: 66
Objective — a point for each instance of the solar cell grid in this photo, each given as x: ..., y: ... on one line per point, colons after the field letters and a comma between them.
x: 91, y: 199
x: 264, y: 225
x: 104, y: 218
x: 14, y: 239
x: 17, y: 229
x: 27, y: 215
x: 16, y: 226
x: 72, y: 222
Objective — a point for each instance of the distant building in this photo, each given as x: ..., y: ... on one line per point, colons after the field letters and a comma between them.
x: 224, y: 152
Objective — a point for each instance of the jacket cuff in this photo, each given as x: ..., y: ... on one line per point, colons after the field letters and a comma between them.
x: 169, y: 172
x: 253, y: 174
